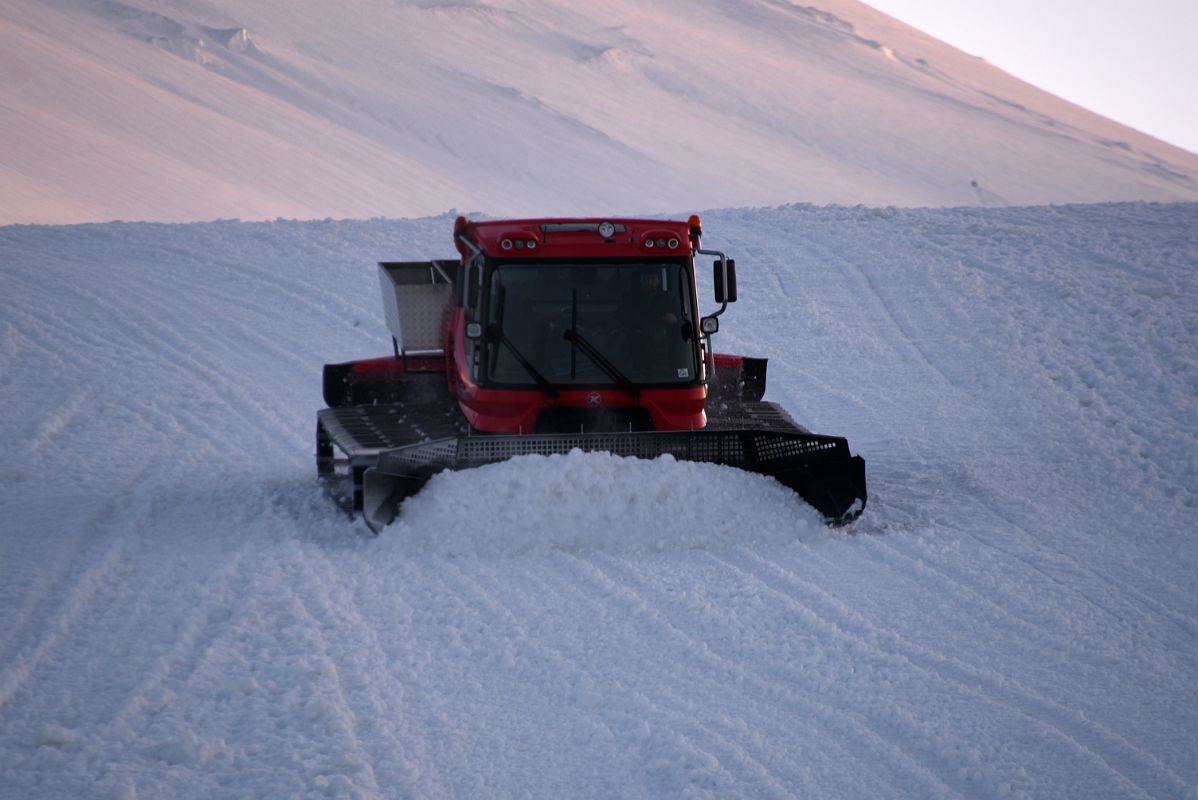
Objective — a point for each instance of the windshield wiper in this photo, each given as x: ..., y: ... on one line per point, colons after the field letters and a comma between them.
x: 589, y: 350
x: 548, y: 389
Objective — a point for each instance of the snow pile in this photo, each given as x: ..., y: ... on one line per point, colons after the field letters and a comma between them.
x: 589, y: 502
x: 184, y: 613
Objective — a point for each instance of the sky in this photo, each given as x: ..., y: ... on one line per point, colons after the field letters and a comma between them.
x: 1134, y: 63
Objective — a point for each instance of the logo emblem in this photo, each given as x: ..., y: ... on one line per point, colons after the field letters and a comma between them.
x: 594, y: 399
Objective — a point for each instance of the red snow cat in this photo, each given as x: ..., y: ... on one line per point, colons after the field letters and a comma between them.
x: 547, y: 335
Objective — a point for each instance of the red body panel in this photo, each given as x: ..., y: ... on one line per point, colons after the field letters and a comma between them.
x: 392, y: 367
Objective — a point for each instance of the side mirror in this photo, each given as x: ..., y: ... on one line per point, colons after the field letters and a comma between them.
x: 709, y: 325
x: 474, y: 330
x: 725, y: 280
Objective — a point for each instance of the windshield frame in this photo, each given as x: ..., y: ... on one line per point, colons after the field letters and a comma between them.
x: 688, y: 304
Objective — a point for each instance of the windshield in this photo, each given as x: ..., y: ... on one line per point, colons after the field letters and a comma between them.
x: 591, y: 324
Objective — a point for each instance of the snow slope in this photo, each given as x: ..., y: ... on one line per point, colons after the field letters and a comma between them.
x: 182, y: 614
x: 185, y: 110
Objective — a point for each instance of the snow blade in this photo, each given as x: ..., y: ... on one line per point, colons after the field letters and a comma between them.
x: 819, y: 468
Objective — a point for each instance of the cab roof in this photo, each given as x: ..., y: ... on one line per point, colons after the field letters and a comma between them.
x: 575, y: 237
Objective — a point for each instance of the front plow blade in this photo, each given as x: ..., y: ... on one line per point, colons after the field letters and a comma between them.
x: 819, y: 468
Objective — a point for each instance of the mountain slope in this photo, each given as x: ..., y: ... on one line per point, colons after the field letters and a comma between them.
x: 178, y: 110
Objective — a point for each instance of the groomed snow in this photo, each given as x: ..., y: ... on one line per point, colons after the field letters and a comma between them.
x: 183, y: 613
